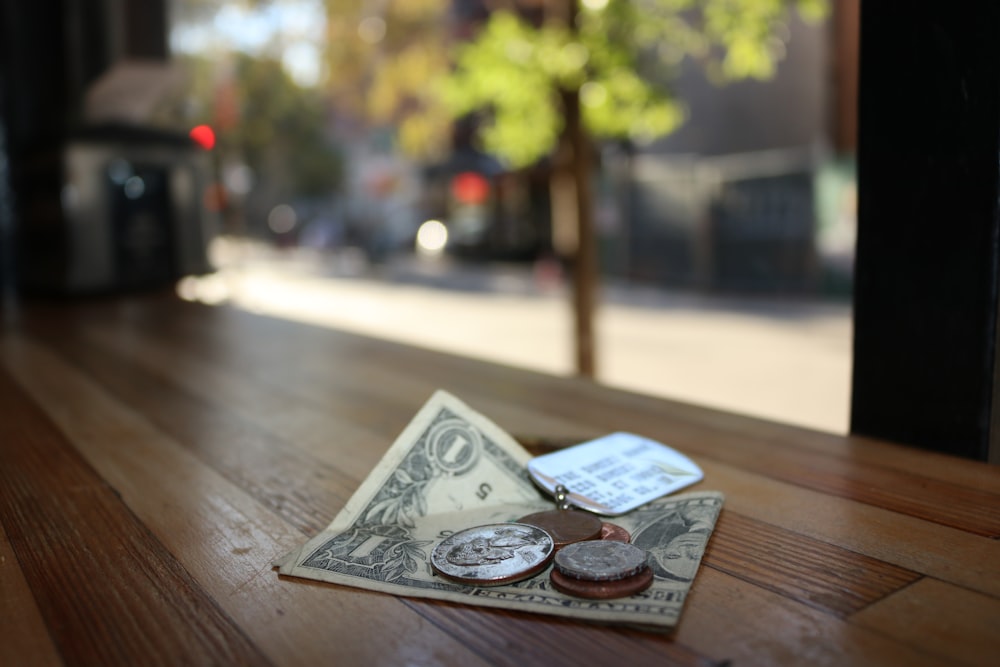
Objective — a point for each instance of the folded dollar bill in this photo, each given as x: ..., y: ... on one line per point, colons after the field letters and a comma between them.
x: 452, y: 468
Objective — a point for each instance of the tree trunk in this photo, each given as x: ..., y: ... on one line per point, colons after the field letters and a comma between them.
x: 573, y: 234
x: 585, y: 266
x: 584, y: 259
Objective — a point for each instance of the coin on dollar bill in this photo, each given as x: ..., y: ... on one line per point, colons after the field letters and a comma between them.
x: 614, y: 532
x: 494, y: 554
x: 602, y: 590
x: 600, y: 560
x: 565, y: 526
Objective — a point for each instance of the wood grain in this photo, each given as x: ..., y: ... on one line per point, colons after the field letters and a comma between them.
x: 224, y: 536
x: 311, y: 421
x: 205, y: 442
x: 516, y: 640
x: 266, y: 364
x: 218, y: 436
x: 108, y: 591
x: 903, y: 541
x: 871, y: 479
x: 24, y: 638
x: 869, y: 482
x: 972, y: 510
x: 811, y: 571
x: 941, y: 619
x: 737, y: 623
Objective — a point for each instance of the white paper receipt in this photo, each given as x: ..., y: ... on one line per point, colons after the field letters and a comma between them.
x: 616, y: 473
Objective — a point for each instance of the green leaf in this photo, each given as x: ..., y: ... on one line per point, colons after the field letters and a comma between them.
x: 620, y: 59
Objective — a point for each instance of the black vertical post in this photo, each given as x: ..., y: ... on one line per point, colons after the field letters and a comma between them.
x: 926, y: 282
x: 6, y: 204
x: 146, y: 30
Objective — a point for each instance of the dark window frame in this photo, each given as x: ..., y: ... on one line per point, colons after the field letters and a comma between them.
x: 926, y: 277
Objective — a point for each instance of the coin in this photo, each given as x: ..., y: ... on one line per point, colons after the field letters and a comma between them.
x: 492, y: 555
x: 602, y: 590
x: 565, y: 526
x: 600, y: 560
x: 614, y: 533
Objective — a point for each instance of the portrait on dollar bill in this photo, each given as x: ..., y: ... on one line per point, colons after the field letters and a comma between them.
x: 676, y: 540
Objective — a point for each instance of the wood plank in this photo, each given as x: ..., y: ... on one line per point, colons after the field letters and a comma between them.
x: 223, y: 536
x: 924, y: 496
x: 859, y: 449
x: 536, y: 391
x: 736, y: 623
x: 942, y: 619
x: 870, y: 479
x: 278, y: 476
x: 929, y: 557
x: 227, y: 332
x: 906, y: 542
x: 839, y: 605
x: 920, y: 496
x: 516, y: 640
x: 108, y: 591
x: 338, y: 428
x: 464, y: 622
x: 336, y: 386
x: 781, y: 607
x: 804, y: 569
x: 143, y: 371
x: 777, y: 437
x: 314, y: 418
x: 24, y: 639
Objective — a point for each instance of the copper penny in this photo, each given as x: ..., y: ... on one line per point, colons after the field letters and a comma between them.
x: 492, y: 555
x: 614, y: 533
x: 601, y: 590
x: 600, y: 560
x: 565, y: 526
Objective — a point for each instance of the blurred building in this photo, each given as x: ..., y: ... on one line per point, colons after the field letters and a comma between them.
x: 754, y: 193
x: 100, y: 200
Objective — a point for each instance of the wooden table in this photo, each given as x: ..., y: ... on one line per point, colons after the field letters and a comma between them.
x: 155, y: 456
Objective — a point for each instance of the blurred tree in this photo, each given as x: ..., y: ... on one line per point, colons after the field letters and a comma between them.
x: 381, y: 57
x: 545, y: 78
x: 263, y: 119
x: 600, y: 68
x: 285, y: 124
x: 618, y: 56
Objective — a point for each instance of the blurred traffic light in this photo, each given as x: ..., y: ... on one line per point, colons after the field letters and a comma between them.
x: 203, y: 135
x: 469, y: 187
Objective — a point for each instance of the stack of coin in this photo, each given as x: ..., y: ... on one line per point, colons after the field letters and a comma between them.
x: 601, y: 570
x: 566, y: 526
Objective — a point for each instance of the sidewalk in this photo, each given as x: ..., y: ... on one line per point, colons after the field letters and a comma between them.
x: 783, y: 360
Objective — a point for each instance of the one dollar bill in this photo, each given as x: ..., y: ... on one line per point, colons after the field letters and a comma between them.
x: 450, y: 469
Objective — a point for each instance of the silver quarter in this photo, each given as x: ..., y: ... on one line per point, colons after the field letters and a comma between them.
x: 492, y: 555
x: 600, y: 560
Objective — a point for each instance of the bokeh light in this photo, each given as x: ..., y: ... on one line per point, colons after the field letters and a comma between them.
x: 432, y: 237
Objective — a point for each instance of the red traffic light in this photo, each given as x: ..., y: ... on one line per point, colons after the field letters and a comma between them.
x: 469, y: 187
x: 203, y: 135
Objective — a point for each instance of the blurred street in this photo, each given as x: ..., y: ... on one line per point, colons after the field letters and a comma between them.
x: 786, y: 360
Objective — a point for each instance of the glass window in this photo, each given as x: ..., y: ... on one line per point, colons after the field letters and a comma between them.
x: 725, y: 247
